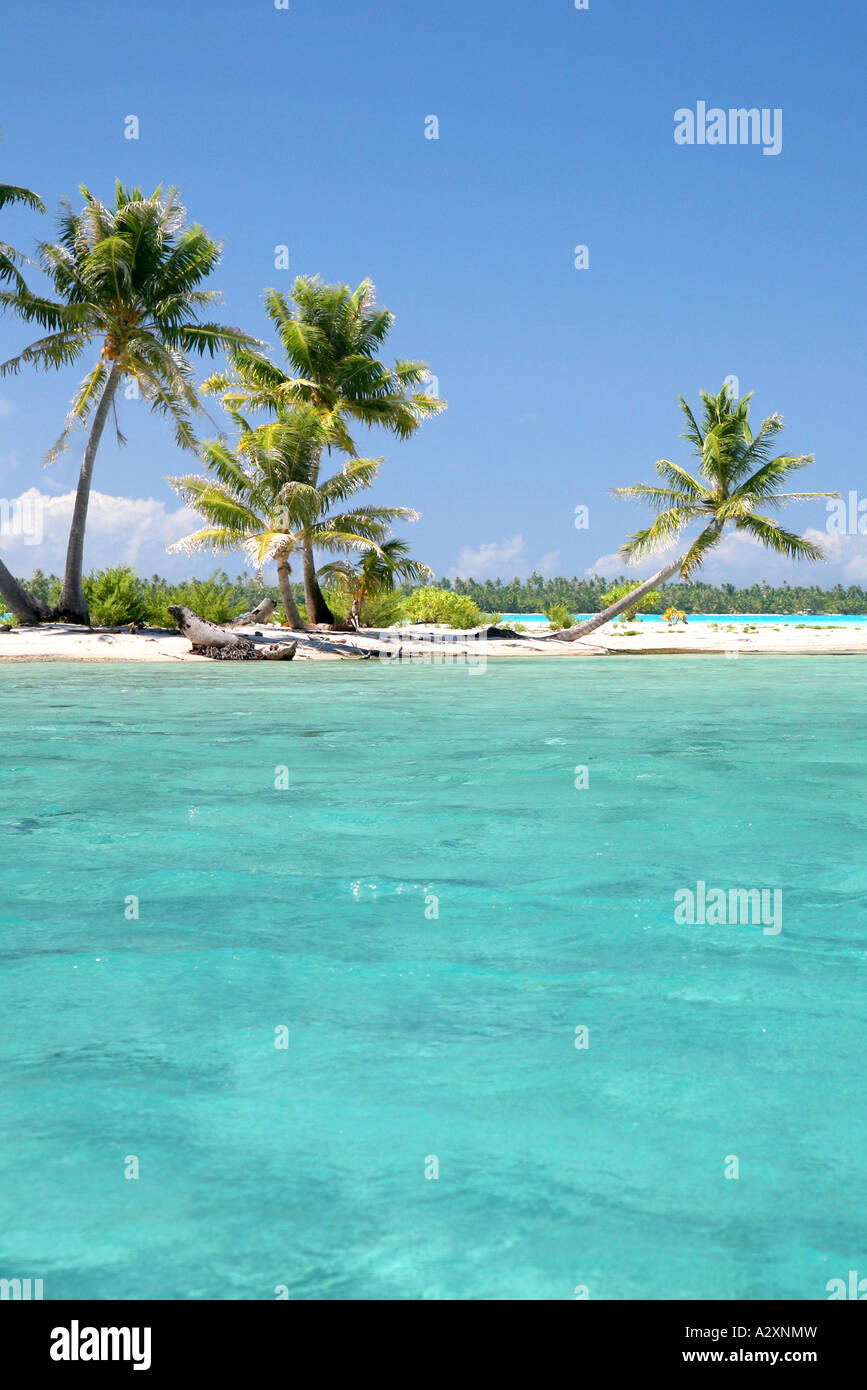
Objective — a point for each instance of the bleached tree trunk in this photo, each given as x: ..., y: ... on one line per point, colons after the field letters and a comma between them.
x: 211, y: 640
x: 260, y: 614
x: 571, y: 634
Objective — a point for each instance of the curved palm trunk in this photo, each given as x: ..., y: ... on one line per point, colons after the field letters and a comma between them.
x: 72, y: 604
x: 317, y: 609
x: 28, y: 610
x: 570, y: 634
x: 293, y: 617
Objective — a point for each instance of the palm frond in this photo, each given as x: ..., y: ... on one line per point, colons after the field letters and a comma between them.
x: 662, y: 533
x: 781, y: 541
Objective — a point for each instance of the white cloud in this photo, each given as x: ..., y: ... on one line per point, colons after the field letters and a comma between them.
x: 847, y: 554
x: 502, y: 560
x: 120, y: 531
x: 549, y: 565
x: 611, y: 565
x: 6, y: 407
x: 488, y: 561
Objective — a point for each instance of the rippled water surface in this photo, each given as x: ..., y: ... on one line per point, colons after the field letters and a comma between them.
x: 431, y: 908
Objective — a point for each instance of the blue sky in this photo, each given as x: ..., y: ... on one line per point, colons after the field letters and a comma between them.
x: 306, y: 127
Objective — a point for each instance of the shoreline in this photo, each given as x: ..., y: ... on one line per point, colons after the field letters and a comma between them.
x: 59, y: 642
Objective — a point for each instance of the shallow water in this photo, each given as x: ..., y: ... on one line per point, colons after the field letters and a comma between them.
x: 722, y: 619
x: 413, y: 1035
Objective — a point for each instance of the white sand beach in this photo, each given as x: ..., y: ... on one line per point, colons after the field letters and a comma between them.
x: 60, y: 642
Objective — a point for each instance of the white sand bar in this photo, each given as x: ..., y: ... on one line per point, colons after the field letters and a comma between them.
x: 60, y: 642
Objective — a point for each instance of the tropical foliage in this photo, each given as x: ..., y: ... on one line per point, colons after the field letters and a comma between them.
x: 125, y: 281
x: 266, y: 497
x: 432, y: 605
x: 331, y: 337
x: 374, y: 574
x: 648, y: 603
x: 116, y: 596
x: 220, y: 598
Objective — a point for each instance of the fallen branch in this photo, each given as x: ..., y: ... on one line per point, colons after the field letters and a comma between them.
x: 208, y: 639
x: 260, y: 614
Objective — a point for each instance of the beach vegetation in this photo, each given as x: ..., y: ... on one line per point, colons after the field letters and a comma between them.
x: 442, y: 607
x: 265, y: 496
x: 649, y: 603
x: 558, y: 615
x: 116, y: 596
x: 125, y: 282
x: 214, y: 599
x: 673, y: 616
x: 374, y: 574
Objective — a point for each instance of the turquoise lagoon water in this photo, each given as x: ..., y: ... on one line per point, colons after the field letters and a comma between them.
x: 777, y: 619
x: 413, y: 1035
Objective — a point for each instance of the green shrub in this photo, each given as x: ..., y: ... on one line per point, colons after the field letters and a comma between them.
x: 384, y: 610
x: 647, y: 604
x: 214, y: 599
x: 558, y: 616
x: 432, y: 605
x: 115, y: 596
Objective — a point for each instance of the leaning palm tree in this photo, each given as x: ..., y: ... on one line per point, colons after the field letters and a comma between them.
x: 376, y: 572
x: 125, y: 279
x: 265, y: 496
x: 738, y: 474
x: 331, y: 340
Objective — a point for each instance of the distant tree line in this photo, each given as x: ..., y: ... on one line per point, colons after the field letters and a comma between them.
x: 532, y: 595
x: 535, y: 594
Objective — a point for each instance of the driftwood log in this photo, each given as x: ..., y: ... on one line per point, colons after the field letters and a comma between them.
x: 260, y: 614
x: 223, y: 645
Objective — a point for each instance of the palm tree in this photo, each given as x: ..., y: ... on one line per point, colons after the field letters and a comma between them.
x: 331, y: 341
x: 125, y: 278
x: 266, y: 496
x: 377, y: 572
x: 738, y: 473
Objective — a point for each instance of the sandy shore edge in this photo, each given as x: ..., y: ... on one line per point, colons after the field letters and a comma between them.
x: 65, y: 643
